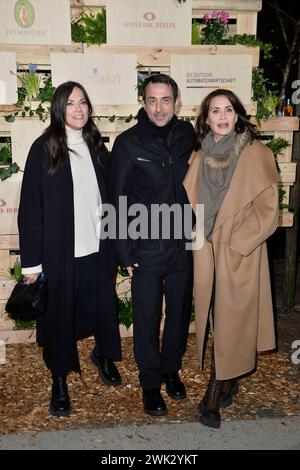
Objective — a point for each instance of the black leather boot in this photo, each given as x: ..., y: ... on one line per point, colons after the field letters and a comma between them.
x: 60, y: 401
x: 209, y: 405
x: 229, y: 388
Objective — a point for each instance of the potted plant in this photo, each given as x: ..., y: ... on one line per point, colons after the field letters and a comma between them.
x: 30, y: 83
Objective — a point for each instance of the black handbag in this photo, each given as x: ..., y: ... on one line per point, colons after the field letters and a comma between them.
x: 27, y: 301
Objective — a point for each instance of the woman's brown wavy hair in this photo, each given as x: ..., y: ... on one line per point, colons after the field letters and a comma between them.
x: 202, y: 128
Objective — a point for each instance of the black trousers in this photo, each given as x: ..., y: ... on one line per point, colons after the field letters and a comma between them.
x: 152, y: 358
x: 87, y: 319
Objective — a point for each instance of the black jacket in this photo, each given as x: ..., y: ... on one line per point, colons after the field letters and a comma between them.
x: 149, y: 168
x: 46, y: 228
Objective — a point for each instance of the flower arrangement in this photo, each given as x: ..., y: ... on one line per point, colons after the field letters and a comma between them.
x: 30, y: 82
x: 215, y: 27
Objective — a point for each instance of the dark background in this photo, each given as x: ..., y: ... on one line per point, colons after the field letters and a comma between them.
x: 279, y: 24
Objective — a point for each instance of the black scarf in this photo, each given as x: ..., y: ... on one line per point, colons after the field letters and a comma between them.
x: 147, y: 128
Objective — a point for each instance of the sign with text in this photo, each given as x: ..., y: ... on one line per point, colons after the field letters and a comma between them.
x: 9, y: 204
x: 197, y: 76
x: 35, y: 22
x: 144, y: 23
x: 23, y: 134
x: 8, y: 78
x: 108, y: 78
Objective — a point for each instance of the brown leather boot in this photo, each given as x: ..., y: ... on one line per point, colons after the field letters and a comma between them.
x: 229, y: 388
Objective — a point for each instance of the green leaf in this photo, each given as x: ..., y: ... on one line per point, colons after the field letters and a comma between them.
x: 89, y: 28
x: 125, y: 312
x: 24, y: 324
x: 276, y: 145
x: 10, y: 118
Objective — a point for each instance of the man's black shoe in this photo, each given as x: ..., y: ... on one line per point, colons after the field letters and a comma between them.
x: 60, y: 402
x: 154, y: 403
x: 174, y: 387
x: 107, y: 369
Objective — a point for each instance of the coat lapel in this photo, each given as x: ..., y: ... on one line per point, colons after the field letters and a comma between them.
x: 191, y: 181
x: 100, y: 178
x: 242, y: 190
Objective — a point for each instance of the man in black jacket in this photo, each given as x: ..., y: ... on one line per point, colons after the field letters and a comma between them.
x: 149, y: 162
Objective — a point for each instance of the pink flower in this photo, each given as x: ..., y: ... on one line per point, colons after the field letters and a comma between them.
x: 224, y: 16
x: 213, y: 14
x: 206, y: 17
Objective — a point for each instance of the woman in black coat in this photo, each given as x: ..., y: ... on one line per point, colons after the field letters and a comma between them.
x: 59, y: 221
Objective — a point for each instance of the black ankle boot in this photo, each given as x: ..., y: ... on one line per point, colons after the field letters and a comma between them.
x: 107, y: 369
x: 229, y: 388
x: 60, y: 402
x: 209, y: 405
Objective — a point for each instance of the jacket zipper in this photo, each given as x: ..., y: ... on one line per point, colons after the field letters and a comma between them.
x: 171, y: 162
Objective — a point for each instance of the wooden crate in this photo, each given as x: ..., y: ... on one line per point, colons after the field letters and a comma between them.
x: 159, y: 58
x: 4, y: 262
x: 9, y: 244
x: 39, y: 55
x: 283, y: 127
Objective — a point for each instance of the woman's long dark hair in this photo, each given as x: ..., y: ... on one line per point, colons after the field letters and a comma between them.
x: 56, y: 138
x: 202, y: 128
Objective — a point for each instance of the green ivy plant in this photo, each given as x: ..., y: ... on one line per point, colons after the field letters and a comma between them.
x: 16, y: 271
x: 8, y: 167
x: 24, y: 325
x: 277, y: 145
x: 47, y: 92
x: 89, y: 28
x: 195, y: 33
x: 42, y: 110
x: 250, y: 40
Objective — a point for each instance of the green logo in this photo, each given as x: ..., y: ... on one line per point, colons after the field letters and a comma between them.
x: 24, y: 13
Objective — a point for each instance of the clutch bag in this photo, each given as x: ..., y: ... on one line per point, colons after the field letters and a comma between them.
x: 27, y: 301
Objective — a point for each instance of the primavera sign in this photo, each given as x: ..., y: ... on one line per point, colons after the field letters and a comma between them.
x: 35, y: 22
x: 24, y: 13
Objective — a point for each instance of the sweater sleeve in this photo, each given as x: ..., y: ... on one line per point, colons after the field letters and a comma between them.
x: 30, y: 216
x: 256, y: 222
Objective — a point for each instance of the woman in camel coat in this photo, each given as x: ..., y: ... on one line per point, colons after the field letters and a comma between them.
x: 235, y: 177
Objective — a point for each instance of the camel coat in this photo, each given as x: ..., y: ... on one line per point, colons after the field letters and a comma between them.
x: 236, y: 263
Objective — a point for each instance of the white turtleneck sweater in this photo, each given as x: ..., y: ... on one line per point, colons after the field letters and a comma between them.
x: 87, y: 199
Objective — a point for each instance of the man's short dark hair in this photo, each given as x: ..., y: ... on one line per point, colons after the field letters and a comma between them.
x: 160, y: 78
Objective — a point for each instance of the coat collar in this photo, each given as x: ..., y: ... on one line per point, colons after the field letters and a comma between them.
x: 256, y: 161
x: 242, y: 190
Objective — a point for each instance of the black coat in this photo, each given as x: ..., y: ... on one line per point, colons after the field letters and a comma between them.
x: 46, y: 228
x: 149, y: 168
